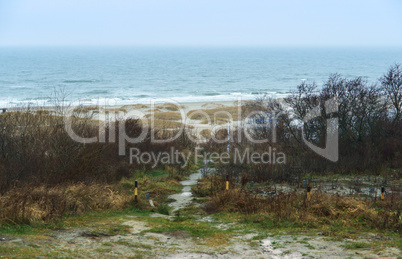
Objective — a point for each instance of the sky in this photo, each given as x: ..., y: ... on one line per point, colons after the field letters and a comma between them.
x: 201, y: 23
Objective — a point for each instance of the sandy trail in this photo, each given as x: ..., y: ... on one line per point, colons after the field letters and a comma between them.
x: 184, y: 198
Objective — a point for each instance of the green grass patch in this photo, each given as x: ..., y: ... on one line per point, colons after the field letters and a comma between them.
x: 101, y: 220
x: 260, y: 236
x: 309, y: 246
x: 356, y: 245
x: 29, y: 252
x: 163, y: 209
x: 103, y: 250
x: 302, y: 242
x: 133, y: 245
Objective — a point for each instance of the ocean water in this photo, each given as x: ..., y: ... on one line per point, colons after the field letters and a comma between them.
x: 126, y: 75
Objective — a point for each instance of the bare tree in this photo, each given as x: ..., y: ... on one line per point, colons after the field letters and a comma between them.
x: 392, y: 86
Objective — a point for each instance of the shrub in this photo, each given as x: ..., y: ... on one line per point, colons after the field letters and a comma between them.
x: 321, y: 208
x: 29, y: 204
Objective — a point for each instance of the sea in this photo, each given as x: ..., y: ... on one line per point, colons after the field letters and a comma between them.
x: 130, y: 75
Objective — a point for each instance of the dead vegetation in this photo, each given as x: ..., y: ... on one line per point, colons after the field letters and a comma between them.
x: 45, y: 174
x: 135, y: 106
x: 159, y: 124
x: 321, y: 209
x: 174, y: 116
x: 170, y: 107
x: 36, y: 204
x: 154, y: 110
x: 212, y: 105
x: 206, y: 133
x: 116, y: 110
x: 44, y: 112
x: 87, y: 109
x: 216, y: 115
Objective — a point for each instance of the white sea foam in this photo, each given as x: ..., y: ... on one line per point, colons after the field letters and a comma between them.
x: 130, y: 76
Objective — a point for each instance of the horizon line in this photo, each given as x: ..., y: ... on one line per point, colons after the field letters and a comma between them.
x: 201, y: 46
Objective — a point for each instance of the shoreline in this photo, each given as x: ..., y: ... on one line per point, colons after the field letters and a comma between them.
x: 187, y: 106
x: 117, y: 102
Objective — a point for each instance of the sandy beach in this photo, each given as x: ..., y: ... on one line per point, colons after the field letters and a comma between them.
x: 201, y: 118
x: 197, y: 116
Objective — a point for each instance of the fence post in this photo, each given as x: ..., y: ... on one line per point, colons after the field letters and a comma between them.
x: 135, y: 190
x: 227, y: 182
x: 308, y: 192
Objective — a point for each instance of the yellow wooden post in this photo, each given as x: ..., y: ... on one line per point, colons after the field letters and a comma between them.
x: 308, y: 192
x: 382, y: 192
x: 136, y: 190
x: 227, y: 182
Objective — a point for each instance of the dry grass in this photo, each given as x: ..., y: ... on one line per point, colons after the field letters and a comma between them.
x: 212, y: 105
x: 36, y: 149
x: 175, y: 116
x: 218, y: 121
x: 27, y: 205
x: 45, y: 175
x: 21, y: 117
x: 170, y: 107
x: 87, y: 109
x: 216, y: 115
x: 208, y: 186
x: 97, y: 109
x: 167, y: 124
x: 135, y: 106
x: 160, y: 187
x: 153, y: 110
x: 44, y: 112
x: 205, y: 121
x: 320, y: 209
x: 206, y: 133
x: 242, y: 102
x: 117, y: 110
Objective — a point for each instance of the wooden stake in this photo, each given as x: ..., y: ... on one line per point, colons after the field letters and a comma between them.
x: 308, y: 192
x: 136, y: 190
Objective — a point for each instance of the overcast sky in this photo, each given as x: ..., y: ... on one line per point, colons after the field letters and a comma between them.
x: 202, y: 22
